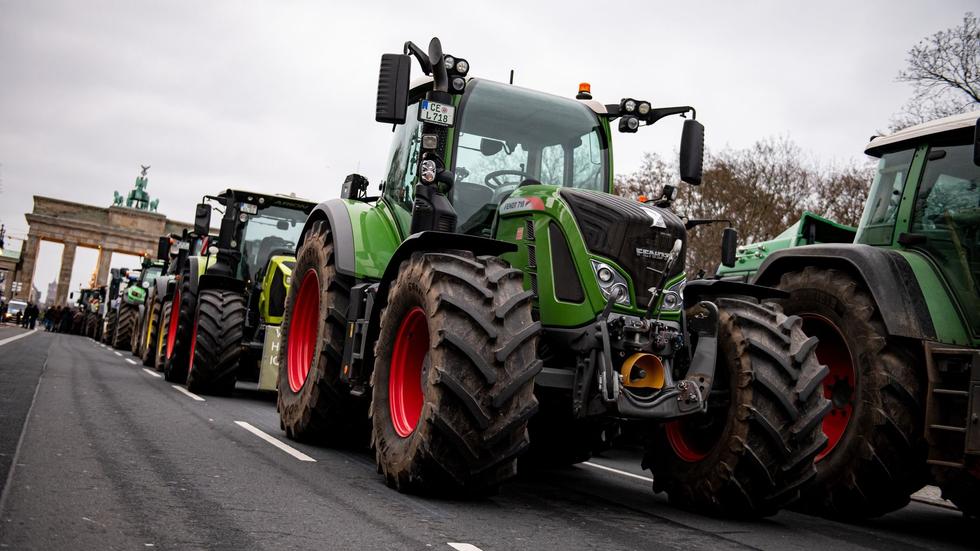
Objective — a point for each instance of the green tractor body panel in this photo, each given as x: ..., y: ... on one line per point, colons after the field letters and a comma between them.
x: 810, y: 229
x: 135, y: 295
x: 947, y: 318
x: 275, y: 286
x: 376, y: 236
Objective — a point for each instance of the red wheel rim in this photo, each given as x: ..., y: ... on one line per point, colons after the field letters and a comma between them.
x: 405, y: 397
x: 172, y: 324
x: 190, y: 364
x: 304, y: 327
x: 682, y: 446
x: 839, y: 385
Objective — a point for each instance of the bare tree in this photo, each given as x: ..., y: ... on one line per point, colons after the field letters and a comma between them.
x: 648, y: 181
x: 944, y: 70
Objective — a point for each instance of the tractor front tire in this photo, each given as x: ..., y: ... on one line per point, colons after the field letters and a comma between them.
x: 179, y: 356
x: 752, y: 451
x: 453, y: 381
x: 216, y: 342
x: 314, y: 405
x: 160, y: 347
x: 125, y: 325
x: 148, y: 349
x: 876, y: 454
x: 110, y: 327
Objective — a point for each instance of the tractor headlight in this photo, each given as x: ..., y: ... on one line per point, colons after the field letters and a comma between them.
x: 673, y: 300
x: 643, y: 108
x: 428, y: 170
x: 458, y: 84
x: 629, y: 106
x: 450, y: 62
x: 462, y: 66
x: 611, y: 283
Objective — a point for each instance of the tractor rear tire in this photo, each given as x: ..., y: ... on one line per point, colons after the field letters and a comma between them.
x: 876, y: 458
x: 148, y: 350
x: 314, y: 405
x: 453, y: 381
x: 216, y: 342
x: 179, y: 356
x: 110, y: 327
x: 751, y: 453
x: 160, y: 347
x: 125, y: 325
x: 90, y: 322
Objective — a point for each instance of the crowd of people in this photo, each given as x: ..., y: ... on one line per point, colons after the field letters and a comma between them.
x: 58, y: 319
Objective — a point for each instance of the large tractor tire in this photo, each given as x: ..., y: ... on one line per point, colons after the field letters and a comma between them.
x: 110, y: 326
x: 160, y: 348
x: 752, y: 451
x: 875, y: 458
x: 313, y: 404
x: 125, y: 326
x: 151, y: 333
x: 180, y: 330
x: 216, y: 342
x: 453, y: 381
x: 90, y: 323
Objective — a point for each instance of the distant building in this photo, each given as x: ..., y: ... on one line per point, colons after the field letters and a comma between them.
x: 51, y: 293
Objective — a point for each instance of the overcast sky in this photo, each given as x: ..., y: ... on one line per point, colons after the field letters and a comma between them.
x: 279, y: 96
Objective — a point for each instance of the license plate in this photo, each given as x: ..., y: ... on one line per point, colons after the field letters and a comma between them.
x: 436, y: 113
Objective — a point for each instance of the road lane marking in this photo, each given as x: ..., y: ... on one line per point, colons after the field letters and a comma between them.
x: 275, y: 442
x: 464, y: 546
x: 617, y: 471
x: 183, y: 390
x: 154, y: 373
x: 117, y: 353
x: 15, y: 337
x: 131, y: 361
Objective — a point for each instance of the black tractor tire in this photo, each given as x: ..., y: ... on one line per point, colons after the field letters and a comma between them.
x: 139, y: 330
x: 961, y: 487
x: 125, y: 325
x: 879, y: 460
x: 751, y: 453
x: 216, y: 341
x: 110, y: 326
x: 314, y: 405
x: 160, y: 348
x: 89, y: 324
x: 177, y: 364
x: 453, y: 381
x: 148, y: 350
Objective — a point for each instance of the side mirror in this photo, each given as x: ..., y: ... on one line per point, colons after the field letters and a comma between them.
x: 692, y: 152
x: 729, y: 242
x: 489, y: 147
x: 71, y: 295
x: 163, y: 248
x: 202, y: 219
x: 392, y: 102
x: 282, y: 225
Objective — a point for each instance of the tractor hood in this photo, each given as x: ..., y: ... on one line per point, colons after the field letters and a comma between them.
x: 635, y: 236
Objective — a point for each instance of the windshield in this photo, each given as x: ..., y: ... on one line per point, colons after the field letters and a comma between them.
x: 274, y: 230
x: 152, y: 273
x: 878, y: 221
x: 508, y: 135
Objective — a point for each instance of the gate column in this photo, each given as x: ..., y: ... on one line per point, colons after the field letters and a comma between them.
x: 64, y: 274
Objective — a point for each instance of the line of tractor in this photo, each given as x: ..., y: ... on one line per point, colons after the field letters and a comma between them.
x: 497, y: 308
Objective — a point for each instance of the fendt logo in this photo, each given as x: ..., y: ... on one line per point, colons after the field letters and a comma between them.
x: 647, y: 253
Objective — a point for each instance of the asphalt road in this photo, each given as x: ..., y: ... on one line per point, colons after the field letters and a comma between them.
x: 113, y: 457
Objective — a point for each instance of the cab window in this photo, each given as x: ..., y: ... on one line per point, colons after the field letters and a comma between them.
x: 878, y: 221
x: 399, y: 184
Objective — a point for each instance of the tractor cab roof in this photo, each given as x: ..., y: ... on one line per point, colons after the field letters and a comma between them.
x: 592, y: 104
x: 913, y: 134
x: 265, y: 199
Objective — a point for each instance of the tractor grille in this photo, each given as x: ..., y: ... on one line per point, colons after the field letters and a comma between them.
x: 622, y: 230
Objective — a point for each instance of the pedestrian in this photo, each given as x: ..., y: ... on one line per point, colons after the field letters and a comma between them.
x: 3, y: 312
x: 32, y: 313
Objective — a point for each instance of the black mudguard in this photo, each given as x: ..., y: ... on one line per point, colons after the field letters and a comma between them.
x: 338, y: 218
x: 886, y: 274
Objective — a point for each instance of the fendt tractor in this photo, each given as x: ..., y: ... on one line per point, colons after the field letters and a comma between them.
x: 498, y: 282
x: 136, y: 304
x: 895, y: 303
x: 229, y: 300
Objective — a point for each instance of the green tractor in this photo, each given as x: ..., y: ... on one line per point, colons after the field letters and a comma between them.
x: 86, y: 319
x: 119, y: 280
x: 230, y: 300
x: 497, y: 296
x: 138, y: 295
x: 895, y: 303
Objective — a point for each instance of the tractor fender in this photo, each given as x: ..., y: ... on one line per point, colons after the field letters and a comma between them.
x: 698, y: 290
x: 163, y: 286
x: 337, y: 216
x: 886, y: 274
x: 428, y: 241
